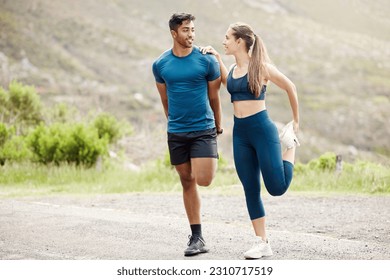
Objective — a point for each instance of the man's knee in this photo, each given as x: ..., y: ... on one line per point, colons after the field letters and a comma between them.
x: 204, y: 170
x: 186, y: 177
x: 204, y: 180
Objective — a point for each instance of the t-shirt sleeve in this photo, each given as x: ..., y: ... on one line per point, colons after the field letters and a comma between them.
x: 156, y: 74
x: 214, y: 71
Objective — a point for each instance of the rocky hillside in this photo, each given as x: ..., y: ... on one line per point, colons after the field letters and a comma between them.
x: 97, y: 54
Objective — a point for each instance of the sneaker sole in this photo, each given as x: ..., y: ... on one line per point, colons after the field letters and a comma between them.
x: 284, y: 130
x: 282, y: 133
x: 197, y: 252
x: 256, y: 257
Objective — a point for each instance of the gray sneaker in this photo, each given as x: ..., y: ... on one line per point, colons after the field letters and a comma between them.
x: 196, y: 245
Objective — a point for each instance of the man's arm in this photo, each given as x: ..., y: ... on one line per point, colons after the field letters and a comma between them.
x: 162, y: 90
x: 215, y: 103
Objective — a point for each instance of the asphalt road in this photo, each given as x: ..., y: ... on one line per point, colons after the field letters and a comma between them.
x: 154, y: 227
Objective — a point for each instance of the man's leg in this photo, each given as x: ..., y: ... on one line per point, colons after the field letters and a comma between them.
x: 203, y: 170
x: 192, y: 204
x: 191, y: 196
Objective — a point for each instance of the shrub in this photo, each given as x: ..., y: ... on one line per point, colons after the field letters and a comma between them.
x: 84, y: 145
x: 14, y: 150
x: 326, y: 161
x: 60, y: 138
x: 4, y: 112
x: 20, y: 106
x: 78, y: 144
x: 4, y: 134
x: 108, y: 127
x: 12, y: 147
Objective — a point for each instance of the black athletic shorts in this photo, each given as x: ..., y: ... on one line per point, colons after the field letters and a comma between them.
x: 186, y: 145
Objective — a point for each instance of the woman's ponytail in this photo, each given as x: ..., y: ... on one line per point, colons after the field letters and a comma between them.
x: 254, y: 69
x: 257, y: 69
x: 258, y: 56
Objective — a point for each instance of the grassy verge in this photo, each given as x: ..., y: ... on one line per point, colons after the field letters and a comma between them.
x: 30, y: 179
x: 360, y: 177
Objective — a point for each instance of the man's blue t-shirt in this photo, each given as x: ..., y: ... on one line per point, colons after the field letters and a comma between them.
x: 186, y: 82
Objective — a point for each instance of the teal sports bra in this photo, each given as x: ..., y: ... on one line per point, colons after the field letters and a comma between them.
x: 239, y: 88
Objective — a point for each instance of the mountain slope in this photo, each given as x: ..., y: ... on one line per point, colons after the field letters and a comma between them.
x: 97, y: 54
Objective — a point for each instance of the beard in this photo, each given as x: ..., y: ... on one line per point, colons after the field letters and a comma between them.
x: 186, y: 43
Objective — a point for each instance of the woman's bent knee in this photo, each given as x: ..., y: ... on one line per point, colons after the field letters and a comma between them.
x: 277, y: 192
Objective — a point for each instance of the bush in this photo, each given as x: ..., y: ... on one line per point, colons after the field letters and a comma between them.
x: 4, y: 134
x: 326, y: 161
x: 108, y: 127
x: 77, y: 144
x: 12, y: 147
x: 20, y: 106
x: 84, y: 146
x: 55, y: 138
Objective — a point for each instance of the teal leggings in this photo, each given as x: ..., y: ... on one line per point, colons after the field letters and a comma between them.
x: 256, y: 149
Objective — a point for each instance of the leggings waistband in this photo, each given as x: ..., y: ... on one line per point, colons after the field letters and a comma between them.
x: 262, y: 115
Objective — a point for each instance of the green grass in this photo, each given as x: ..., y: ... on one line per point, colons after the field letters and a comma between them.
x: 31, y: 179
x: 360, y: 177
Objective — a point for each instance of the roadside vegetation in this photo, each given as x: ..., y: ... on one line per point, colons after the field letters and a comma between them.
x: 58, y: 151
x: 27, y: 178
x: 322, y: 175
x: 55, y: 136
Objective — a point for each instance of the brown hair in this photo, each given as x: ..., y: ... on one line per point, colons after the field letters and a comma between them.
x: 259, y: 56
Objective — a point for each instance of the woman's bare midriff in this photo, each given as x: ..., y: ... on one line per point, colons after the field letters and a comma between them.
x: 246, y: 108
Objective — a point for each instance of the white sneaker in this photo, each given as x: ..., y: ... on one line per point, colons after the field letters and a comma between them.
x: 287, y: 136
x: 260, y: 249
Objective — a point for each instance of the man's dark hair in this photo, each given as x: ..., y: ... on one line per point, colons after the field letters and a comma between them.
x: 178, y: 18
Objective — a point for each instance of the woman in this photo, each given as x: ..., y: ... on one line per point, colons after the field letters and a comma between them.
x: 256, y: 143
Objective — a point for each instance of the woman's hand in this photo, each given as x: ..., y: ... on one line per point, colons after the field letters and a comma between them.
x: 224, y: 71
x: 208, y: 49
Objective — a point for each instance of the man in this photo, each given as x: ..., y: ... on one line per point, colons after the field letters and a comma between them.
x: 188, y: 83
